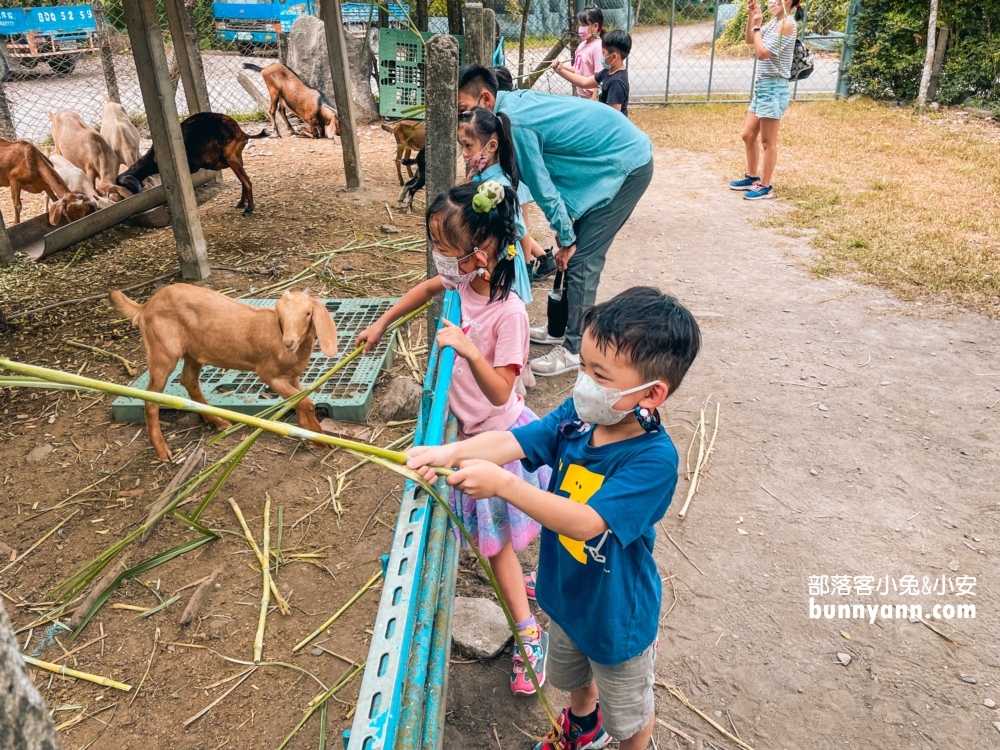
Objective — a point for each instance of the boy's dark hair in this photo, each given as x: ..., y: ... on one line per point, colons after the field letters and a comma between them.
x: 618, y: 41
x: 475, y: 79
x: 462, y: 226
x: 655, y: 331
x: 592, y: 14
x: 487, y: 124
x: 505, y: 81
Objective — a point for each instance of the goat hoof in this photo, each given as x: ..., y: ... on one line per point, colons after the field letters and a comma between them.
x: 318, y: 446
x: 164, y: 455
x: 247, y: 211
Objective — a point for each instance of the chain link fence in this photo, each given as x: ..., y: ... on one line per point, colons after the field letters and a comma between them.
x: 72, y: 56
x: 682, y: 50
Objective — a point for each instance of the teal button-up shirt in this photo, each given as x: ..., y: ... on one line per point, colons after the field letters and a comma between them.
x: 574, y: 154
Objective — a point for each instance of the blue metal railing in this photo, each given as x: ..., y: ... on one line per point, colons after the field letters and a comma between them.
x: 400, y: 704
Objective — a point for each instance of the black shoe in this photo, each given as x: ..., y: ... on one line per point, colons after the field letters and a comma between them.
x: 542, y: 267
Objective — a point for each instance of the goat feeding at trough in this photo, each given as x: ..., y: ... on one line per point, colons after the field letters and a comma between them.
x: 311, y: 106
x: 212, y: 141
x: 24, y: 167
x: 76, y: 180
x: 117, y: 129
x: 410, y: 135
x: 86, y: 149
x: 205, y: 327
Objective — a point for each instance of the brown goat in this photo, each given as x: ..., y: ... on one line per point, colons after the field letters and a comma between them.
x: 207, y: 328
x: 24, y: 167
x: 310, y: 105
x: 410, y: 135
x: 86, y: 149
x: 211, y: 141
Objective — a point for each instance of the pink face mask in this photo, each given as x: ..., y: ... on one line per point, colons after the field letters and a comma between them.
x: 584, y: 32
x: 476, y: 162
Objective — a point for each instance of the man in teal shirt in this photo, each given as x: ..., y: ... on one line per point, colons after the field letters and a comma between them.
x: 587, y: 166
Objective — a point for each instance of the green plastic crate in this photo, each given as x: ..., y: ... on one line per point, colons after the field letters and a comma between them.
x: 401, y: 70
x: 346, y: 396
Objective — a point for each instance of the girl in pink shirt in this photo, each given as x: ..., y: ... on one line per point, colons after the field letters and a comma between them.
x: 588, y: 54
x: 474, y: 234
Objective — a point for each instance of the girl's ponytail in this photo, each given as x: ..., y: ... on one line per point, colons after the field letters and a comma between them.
x: 505, y: 152
x: 502, y: 275
x: 799, y: 12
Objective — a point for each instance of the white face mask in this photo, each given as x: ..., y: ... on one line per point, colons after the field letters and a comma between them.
x: 595, y: 403
x: 448, y: 268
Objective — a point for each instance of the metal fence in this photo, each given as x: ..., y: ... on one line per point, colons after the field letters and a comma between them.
x: 684, y: 50
x: 43, y: 82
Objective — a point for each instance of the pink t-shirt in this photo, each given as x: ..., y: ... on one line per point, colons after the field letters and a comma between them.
x: 588, y: 62
x: 500, y: 331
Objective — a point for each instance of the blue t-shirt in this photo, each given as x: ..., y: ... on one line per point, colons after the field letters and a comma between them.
x: 606, y: 592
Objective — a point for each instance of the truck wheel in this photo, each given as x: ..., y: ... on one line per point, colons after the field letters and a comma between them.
x: 62, y: 65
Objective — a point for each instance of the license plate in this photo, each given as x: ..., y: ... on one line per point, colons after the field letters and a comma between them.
x: 244, y: 36
x: 68, y: 45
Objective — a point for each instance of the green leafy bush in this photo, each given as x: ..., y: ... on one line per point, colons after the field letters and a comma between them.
x: 892, y: 42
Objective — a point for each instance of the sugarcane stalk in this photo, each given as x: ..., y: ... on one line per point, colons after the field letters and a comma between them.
x: 67, y: 672
x: 339, y: 612
x: 265, y: 597
x: 282, y: 604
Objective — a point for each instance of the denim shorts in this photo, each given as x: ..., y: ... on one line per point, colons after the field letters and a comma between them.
x: 770, y: 98
x: 625, y: 690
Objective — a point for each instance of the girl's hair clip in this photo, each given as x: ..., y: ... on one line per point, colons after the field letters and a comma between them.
x: 511, y: 251
x: 489, y: 195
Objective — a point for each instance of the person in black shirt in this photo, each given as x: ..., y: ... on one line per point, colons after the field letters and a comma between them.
x: 613, y: 80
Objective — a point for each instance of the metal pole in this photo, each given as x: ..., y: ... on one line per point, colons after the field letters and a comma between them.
x: 107, y: 58
x: 711, y: 63
x: 6, y: 251
x: 847, y: 53
x: 670, y: 49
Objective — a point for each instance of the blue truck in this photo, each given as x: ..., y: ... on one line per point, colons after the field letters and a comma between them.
x: 249, y: 24
x: 56, y: 35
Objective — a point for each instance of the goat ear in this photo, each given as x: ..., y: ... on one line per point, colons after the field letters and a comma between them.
x: 56, y: 212
x: 326, y: 329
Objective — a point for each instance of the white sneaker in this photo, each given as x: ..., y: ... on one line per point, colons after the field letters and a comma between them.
x: 540, y: 335
x: 555, y: 362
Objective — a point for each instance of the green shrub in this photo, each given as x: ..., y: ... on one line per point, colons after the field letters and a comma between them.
x: 892, y: 42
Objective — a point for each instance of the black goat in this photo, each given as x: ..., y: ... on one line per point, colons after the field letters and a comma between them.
x: 416, y: 182
x: 212, y: 141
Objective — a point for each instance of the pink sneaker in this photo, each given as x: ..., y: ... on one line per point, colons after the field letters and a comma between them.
x: 529, y: 583
x: 536, y: 644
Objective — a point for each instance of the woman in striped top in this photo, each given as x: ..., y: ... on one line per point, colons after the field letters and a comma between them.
x: 774, y: 45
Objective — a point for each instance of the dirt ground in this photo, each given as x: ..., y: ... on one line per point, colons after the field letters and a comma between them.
x: 301, y: 208
x: 870, y: 422
x: 857, y: 437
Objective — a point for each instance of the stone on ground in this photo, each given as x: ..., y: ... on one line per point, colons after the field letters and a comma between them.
x: 479, y: 628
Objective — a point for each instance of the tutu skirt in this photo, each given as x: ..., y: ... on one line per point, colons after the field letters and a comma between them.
x: 492, y: 522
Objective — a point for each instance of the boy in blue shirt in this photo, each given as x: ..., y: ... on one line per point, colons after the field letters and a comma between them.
x: 614, y: 474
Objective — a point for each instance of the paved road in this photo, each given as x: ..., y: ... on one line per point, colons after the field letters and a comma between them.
x: 690, y: 65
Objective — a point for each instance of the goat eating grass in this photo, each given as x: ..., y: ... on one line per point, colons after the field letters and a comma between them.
x: 212, y: 141
x: 205, y: 327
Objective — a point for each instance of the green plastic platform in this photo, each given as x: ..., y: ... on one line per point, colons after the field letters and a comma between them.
x: 401, y: 70
x: 347, y: 396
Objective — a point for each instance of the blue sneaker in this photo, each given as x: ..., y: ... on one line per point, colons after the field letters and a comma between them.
x: 760, y: 193
x: 747, y: 183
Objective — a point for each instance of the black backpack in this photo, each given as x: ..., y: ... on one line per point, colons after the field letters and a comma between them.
x: 802, y: 62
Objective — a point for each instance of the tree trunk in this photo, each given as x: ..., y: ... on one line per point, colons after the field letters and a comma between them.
x: 925, y: 78
x: 25, y: 723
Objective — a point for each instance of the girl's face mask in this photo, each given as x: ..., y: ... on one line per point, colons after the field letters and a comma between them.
x: 449, y: 269
x: 584, y: 32
x: 477, y: 162
x: 776, y: 9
